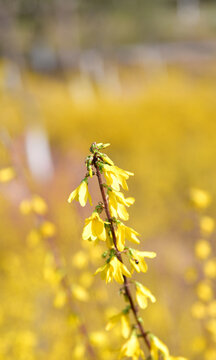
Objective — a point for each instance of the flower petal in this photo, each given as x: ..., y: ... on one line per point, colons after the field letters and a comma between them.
x: 83, y: 193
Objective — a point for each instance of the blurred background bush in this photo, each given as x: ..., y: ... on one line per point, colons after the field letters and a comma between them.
x: 140, y: 75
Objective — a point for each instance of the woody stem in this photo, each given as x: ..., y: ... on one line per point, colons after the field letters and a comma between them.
x: 118, y: 254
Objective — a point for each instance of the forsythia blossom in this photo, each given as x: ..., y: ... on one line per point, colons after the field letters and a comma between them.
x: 117, y: 203
x: 124, y: 232
x: 138, y: 259
x: 36, y: 204
x: 81, y: 194
x: 142, y: 295
x: 132, y: 348
x: 7, y: 174
x: 114, y: 269
x: 94, y: 228
x: 159, y: 348
x: 125, y: 324
x: 116, y: 177
x: 200, y: 198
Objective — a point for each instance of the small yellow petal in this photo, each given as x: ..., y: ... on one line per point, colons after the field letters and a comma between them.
x: 122, y: 212
x: 83, y: 193
x: 87, y: 231
x: 73, y: 195
x: 125, y: 324
x: 98, y: 228
x: 159, y: 345
x: 113, y: 321
x: 143, y: 294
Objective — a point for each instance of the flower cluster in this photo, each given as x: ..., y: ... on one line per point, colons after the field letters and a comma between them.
x: 203, y: 276
x: 105, y: 224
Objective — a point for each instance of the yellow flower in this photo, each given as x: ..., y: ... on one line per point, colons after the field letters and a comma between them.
x: 99, y: 338
x: 132, y: 348
x: 125, y: 324
x: 25, y: 207
x: 79, y: 293
x: 210, y: 268
x: 81, y: 194
x: 202, y: 249
x: 123, y: 233
x: 109, y: 240
x: 48, y: 229
x: 94, y: 228
x: 36, y: 204
x: 114, y: 269
x: 80, y: 259
x: 158, y: 347
x: 200, y: 198
x: 122, y: 200
x: 79, y: 351
x: 204, y: 291
x: 117, y: 203
x: 142, y: 295
x: 7, y: 174
x: 198, y: 310
x: 138, y: 261
x: 39, y: 206
x: 207, y: 225
x: 116, y: 177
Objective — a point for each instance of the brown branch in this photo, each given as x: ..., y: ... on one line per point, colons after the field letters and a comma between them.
x: 118, y: 254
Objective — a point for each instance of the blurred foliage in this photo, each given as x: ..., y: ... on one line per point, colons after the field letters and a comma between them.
x: 64, y: 26
x: 162, y: 128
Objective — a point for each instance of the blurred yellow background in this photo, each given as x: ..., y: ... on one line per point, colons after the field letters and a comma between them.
x: 156, y: 105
